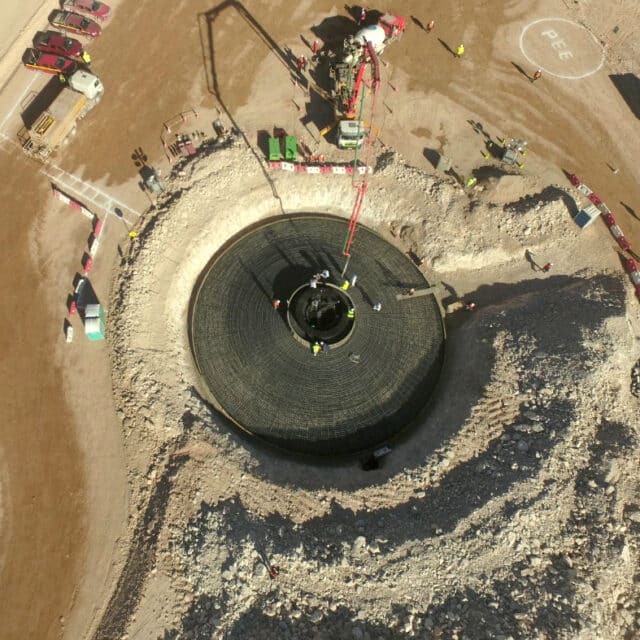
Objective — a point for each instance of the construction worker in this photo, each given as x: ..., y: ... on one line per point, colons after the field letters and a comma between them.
x: 351, y: 314
x: 377, y: 306
x: 547, y: 267
x: 363, y: 15
x: 325, y: 346
x: 537, y: 75
x: 275, y: 303
x: 316, y: 348
x: 411, y: 291
x: 345, y: 285
x: 86, y: 58
x: 353, y: 281
x: 459, y: 51
x: 315, y: 47
x: 430, y: 26
x: 470, y: 306
x: 471, y: 182
x: 313, y: 283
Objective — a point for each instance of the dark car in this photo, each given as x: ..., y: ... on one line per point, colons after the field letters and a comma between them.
x: 95, y: 9
x: 54, y: 42
x: 48, y: 62
x: 74, y: 22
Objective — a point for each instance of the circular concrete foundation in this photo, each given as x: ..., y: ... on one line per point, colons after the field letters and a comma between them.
x: 376, y: 370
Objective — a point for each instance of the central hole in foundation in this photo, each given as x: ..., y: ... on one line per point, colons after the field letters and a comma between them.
x: 321, y: 313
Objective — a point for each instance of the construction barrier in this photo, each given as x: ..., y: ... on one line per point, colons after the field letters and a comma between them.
x: 74, y: 204
x: 616, y: 231
x: 95, y: 245
x: 97, y: 227
x: 614, y: 228
x: 595, y: 198
x: 632, y: 268
x: 299, y: 167
x: 607, y: 216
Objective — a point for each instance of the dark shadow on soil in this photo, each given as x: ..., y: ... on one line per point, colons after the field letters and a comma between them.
x: 38, y: 102
x: 447, y: 47
x: 333, y: 30
x: 530, y: 258
x: 418, y: 23
x: 521, y: 70
x: 255, y: 623
x: 432, y: 156
x: 628, y: 85
x: 548, y: 194
x: 318, y: 110
x: 596, y: 516
x: 630, y: 210
x: 488, y: 172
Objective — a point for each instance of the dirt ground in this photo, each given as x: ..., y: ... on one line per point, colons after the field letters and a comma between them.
x: 112, y: 511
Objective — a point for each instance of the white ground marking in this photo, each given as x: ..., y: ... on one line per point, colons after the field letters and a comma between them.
x: 17, y: 102
x: 75, y: 186
x: 8, y: 142
x: 558, y: 75
x: 87, y: 192
x: 84, y: 190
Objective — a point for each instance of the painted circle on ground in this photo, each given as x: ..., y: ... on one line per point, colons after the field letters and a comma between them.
x: 561, y: 48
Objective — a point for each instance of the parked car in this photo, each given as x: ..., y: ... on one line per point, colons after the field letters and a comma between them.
x: 98, y: 10
x: 58, y: 43
x: 74, y: 22
x: 48, y: 62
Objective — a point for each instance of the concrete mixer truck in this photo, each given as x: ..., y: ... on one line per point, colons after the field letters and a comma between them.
x: 359, y: 52
x: 389, y: 29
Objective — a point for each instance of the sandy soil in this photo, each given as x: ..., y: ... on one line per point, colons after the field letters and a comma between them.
x: 64, y: 467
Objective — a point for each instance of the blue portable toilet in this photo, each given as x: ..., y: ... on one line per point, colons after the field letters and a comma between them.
x: 586, y: 216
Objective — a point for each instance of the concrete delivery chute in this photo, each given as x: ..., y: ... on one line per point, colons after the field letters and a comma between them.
x: 54, y: 123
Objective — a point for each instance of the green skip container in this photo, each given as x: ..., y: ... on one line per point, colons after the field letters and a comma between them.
x: 275, y: 153
x: 94, y: 322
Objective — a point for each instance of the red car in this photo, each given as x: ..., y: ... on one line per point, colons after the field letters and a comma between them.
x: 96, y: 9
x: 75, y: 23
x: 54, y: 42
x: 48, y: 62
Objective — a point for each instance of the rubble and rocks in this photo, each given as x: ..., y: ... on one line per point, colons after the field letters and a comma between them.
x: 508, y: 513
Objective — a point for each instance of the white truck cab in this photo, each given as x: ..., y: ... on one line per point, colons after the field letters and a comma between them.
x: 351, y: 133
x: 86, y: 83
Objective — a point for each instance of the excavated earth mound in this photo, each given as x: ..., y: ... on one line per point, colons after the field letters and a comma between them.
x: 508, y: 513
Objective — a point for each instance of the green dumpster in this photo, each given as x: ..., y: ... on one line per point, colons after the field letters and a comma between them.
x: 290, y: 148
x: 274, y: 149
